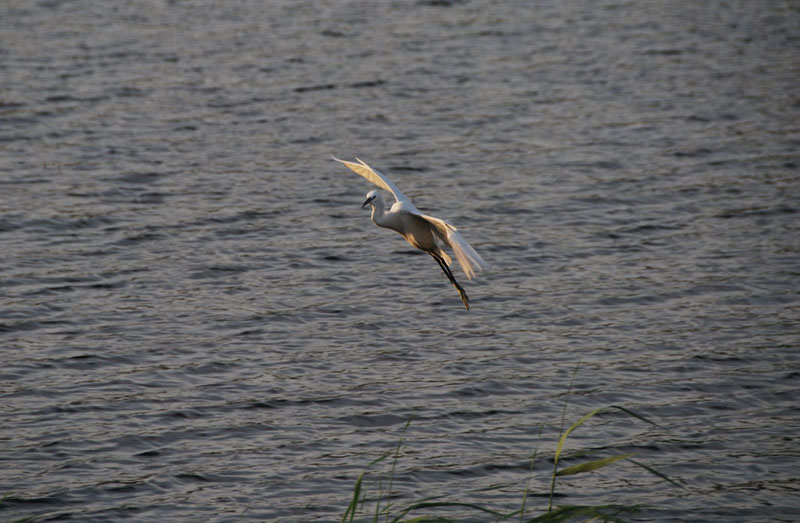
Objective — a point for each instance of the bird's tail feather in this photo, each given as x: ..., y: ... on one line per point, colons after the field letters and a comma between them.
x: 467, y: 257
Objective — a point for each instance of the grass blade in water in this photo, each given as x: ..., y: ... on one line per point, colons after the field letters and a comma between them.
x: 591, y: 465
x: 586, y: 513
x: 351, y: 508
x: 657, y: 473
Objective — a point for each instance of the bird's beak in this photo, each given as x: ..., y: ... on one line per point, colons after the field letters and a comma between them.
x: 366, y: 202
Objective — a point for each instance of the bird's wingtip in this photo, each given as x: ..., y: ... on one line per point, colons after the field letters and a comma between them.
x: 362, y: 162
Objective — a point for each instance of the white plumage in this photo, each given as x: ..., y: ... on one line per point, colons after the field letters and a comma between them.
x: 424, y: 232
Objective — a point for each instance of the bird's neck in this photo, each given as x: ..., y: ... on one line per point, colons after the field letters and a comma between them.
x: 389, y: 220
x: 378, y: 213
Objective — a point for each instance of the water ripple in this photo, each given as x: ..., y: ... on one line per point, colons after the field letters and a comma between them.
x: 199, y: 321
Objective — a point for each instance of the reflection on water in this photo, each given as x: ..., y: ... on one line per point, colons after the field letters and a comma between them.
x: 199, y: 321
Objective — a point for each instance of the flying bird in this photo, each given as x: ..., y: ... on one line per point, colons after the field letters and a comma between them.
x: 424, y: 232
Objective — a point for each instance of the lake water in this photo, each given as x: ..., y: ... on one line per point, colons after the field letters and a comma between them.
x: 199, y: 322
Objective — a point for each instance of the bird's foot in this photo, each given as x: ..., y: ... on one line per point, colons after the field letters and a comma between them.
x: 464, y: 297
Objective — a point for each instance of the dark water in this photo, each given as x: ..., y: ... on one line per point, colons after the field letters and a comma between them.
x: 199, y: 322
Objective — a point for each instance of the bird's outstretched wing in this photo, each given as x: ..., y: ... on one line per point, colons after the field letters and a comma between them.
x: 376, y: 177
x: 470, y: 261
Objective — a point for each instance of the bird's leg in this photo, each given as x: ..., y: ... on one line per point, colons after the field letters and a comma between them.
x: 461, y: 292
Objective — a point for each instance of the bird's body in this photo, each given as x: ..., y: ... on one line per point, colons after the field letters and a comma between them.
x: 424, y: 232
x: 415, y: 229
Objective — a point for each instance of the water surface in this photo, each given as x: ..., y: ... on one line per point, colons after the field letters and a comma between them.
x: 198, y: 320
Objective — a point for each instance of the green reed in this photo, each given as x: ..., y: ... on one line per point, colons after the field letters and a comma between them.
x: 386, y: 509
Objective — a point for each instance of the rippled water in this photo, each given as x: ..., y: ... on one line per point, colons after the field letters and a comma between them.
x: 198, y: 320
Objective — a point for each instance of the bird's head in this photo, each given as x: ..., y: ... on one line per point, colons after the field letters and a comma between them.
x: 371, y: 197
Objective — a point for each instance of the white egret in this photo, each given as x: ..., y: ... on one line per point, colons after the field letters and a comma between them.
x: 424, y: 232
